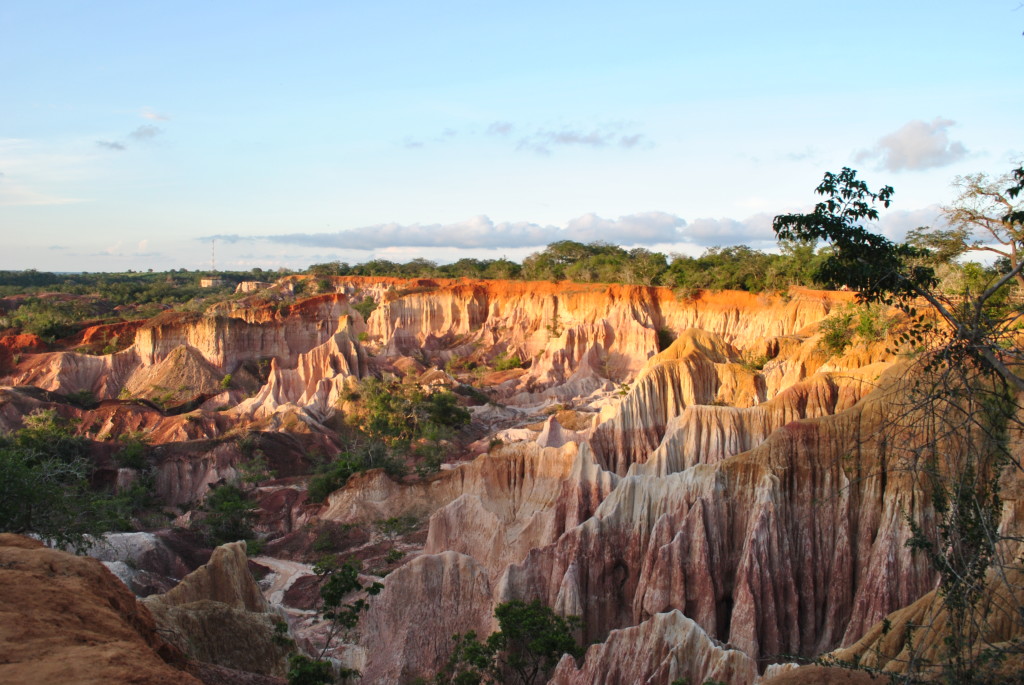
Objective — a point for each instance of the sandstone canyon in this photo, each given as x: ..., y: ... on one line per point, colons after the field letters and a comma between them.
x: 715, y: 494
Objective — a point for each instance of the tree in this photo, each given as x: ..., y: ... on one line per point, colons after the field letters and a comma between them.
x: 338, y: 583
x: 981, y: 219
x: 883, y: 271
x: 44, y: 485
x: 954, y: 426
x: 229, y: 516
x: 529, y: 643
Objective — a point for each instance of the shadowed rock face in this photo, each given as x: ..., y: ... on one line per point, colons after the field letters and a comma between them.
x: 662, y: 649
x: 67, y: 619
x: 736, y: 502
x: 217, y: 614
x: 408, y: 630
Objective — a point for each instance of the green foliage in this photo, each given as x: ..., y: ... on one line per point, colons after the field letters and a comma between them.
x: 83, y: 398
x: 365, y: 307
x: 754, y: 362
x: 397, y: 417
x: 51, y: 319
x: 134, y: 447
x: 721, y: 268
x: 44, y: 485
x: 876, y: 268
x: 528, y: 645
x: 337, y: 583
x: 505, y: 362
x: 305, y: 671
x: 836, y: 335
x: 394, y: 555
x: 256, y: 469
x: 869, y: 322
x: 225, y: 382
x: 334, y: 475
x: 665, y: 338
x: 396, y: 526
x: 229, y: 515
x: 873, y: 322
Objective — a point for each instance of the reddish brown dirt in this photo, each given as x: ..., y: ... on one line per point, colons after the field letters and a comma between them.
x: 67, y: 619
x: 11, y: 345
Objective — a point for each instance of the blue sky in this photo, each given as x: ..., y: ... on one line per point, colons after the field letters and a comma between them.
x: 131, y: 133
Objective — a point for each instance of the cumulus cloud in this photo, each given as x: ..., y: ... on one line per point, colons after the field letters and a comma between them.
x: 894, y: 223
x: 725, y: 231
x: 915, y: 146
x: 481, y: 232
x: 111, y: 145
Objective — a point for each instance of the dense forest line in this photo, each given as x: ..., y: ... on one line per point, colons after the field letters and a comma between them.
x: 134, y: 295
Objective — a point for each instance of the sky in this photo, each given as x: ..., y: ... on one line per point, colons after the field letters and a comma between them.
x: 139, y: 135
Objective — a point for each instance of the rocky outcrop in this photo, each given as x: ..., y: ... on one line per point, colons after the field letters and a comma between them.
x: 67, y: 619
x: 316, y: 382
x: 740, y: 500
x: 217, y: 614
x: 917, y: 638
x: 665, y: 648
x: 793, y: 547
x: 520, y: 498
x: 12, y: 347
x: 407, y: 632
x: 706, y: 434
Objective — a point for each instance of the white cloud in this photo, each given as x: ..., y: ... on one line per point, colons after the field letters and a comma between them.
x: 726, y: 231
x: 149, y: 113
x: 481, y: 232
x: 894, y: 224
x: 915, y: 146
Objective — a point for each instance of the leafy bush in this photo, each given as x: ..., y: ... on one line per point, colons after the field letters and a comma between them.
x: 134, y: 447
x: 835, y: 332
x: 365, y: 307
x: 334, y: 477
x: 528, y: 645
x: 44, y: 485
x: 873, y: 322
x: 305, y: 671
x: 229, y: 515
x: 506, y: 362
x: 50, y: 319
x: 83, y: 398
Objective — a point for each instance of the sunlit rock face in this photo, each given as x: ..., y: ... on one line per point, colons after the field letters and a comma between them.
x: 698, y: 480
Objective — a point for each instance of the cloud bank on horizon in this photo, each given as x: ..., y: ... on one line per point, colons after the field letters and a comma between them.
x: 642, y: 229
